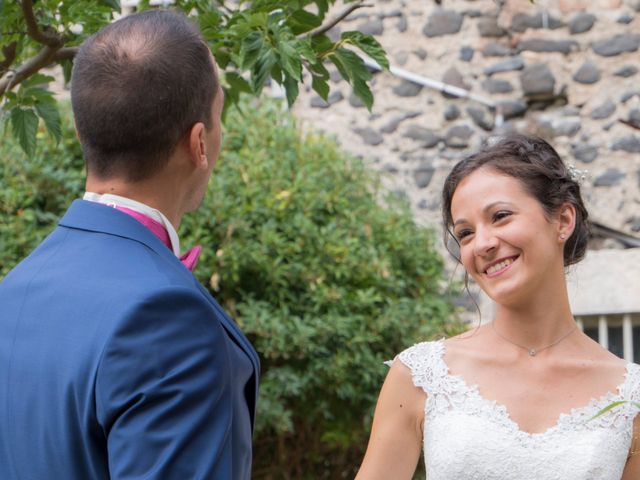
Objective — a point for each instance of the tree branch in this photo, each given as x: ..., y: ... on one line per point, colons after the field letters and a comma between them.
x: 345, y: 13
x: 28, y: 68
x: 67, y: 53
x: 629, y: 124
x: 9, y: 52
x: 45, y: 38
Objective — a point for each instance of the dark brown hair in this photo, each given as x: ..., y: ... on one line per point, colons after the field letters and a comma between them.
x: 138, y: 86
x: 543, y: 175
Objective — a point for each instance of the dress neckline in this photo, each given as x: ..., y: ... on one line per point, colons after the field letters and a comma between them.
x: 575, y: 415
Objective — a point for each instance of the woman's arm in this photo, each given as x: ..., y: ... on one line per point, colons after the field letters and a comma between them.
x: 396, y: 433
x: 632, y: 468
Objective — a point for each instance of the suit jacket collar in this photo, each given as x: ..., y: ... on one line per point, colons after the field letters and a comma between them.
x: 95, y: 217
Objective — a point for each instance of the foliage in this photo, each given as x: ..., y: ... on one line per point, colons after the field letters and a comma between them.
x: 36, y: 190
x: 252, y: 42
x: 326, y: 276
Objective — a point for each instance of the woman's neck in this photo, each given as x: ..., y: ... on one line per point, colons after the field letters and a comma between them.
x: 536, y: 325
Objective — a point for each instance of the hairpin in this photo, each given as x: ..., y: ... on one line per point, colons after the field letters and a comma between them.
x: 577, y: 175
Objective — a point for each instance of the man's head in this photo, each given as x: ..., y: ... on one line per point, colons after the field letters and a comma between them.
x: 138, y: 87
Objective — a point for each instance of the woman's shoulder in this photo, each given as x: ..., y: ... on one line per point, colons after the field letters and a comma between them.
x: 423, y: 361
x: 421, y: 353
x: 631, y: 386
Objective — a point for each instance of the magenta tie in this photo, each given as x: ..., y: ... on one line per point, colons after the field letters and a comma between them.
x: 189, y: 259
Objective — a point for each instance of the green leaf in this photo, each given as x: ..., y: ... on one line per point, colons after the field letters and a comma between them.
x: 291, y: 89
x: 323, y: 7
x: 368, y: 45
x: 261, y: 70
x: 353, y: 69
x: 353, y: 64
x: 305, y: 50
x: 320, y: 86
x: 363, y: 92
x: 321, y: 44
x: 114, y: 4
x: 48, y: 111
x: 290, y: 58
x: 265, y: 5
x: 341, y: 67
x: 209, y: 23
x: 302, y: 21
x: 67, y: 67
x: 36, y: 94
x: 237, y: 82
x: 36, y: 79
x: 277, y: 74
x: 250, y: 50
x: 25, y: 127
x: 607, y: 408
x: 319, y: 70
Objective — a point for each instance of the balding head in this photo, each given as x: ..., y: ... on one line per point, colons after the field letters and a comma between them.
x: 138, y: 86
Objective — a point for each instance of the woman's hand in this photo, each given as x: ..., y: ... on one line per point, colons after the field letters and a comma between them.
x: 396, y: 434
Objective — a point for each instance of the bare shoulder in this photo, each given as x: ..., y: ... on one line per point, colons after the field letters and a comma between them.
x: 601, y: 360
x: 399, y: 385
x: 396, y: 432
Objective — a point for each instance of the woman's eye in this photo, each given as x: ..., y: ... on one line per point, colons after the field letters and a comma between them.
x: 500, y: 215
x: 462, y: 234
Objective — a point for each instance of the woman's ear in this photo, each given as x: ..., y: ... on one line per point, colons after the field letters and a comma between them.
x: 197, y: 146
x: 566, y: 218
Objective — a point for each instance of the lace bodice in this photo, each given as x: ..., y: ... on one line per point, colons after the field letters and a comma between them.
x: 467, y: 437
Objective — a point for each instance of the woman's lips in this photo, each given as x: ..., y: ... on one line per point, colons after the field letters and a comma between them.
x: 500, y: 266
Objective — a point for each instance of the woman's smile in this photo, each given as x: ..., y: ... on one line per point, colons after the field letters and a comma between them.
x: 500, y: 266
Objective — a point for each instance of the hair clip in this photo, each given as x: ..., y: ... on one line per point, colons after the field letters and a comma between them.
x: 577, y: 175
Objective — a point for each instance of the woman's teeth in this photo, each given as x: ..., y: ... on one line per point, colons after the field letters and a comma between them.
x: 499, y: 266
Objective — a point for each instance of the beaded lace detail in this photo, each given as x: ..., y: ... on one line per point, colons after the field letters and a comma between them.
x: 467, y: 437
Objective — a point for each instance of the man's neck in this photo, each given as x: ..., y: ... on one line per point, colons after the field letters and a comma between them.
x: 148, y: 193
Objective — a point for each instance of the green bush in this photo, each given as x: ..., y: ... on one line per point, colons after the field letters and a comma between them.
x: 36, y: 190
x: 327, y: 277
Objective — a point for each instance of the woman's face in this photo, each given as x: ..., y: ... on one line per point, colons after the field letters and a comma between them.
x: 507, y: 244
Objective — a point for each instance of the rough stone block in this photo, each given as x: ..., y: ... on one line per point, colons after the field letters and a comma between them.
x: 581, y: 22
x: 537, y: 79
x: 514, y: 63
x: 622, y: 43
x: 443, y: 22
x: 588, y: 73
x: 543, y: 45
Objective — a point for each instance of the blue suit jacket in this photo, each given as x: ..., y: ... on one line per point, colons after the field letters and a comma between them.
x: 116, y: 363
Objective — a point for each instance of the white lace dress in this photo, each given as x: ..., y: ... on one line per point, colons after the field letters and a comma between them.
x: 467, y: 437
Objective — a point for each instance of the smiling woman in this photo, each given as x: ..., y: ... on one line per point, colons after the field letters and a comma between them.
x: 512, y: 399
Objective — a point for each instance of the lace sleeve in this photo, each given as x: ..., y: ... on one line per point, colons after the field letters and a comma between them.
x: 424, y: 361
x: 630, y: 390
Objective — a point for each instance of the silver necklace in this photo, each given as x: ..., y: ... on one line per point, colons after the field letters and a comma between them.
x: 533, y: 351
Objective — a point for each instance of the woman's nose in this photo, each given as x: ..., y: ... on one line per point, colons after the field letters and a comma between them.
x: 484, y: 241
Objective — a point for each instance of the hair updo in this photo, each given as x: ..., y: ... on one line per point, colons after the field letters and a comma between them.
x: 543, y: 175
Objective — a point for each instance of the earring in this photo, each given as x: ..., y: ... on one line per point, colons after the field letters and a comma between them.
x: 562, y: 236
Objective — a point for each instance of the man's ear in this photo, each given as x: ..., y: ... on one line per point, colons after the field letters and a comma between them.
x: 197, y: 146
x: 566, y: 218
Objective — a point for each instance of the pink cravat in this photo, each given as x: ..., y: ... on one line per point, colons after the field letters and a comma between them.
x: 189, y: 259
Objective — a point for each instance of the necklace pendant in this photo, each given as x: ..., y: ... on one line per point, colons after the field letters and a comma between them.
x: 532, y: 352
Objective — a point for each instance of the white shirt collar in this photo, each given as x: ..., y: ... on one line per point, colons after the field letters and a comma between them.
x: 117, y: 200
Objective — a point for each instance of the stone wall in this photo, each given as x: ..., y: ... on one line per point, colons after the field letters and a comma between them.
x: 567, y: 70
